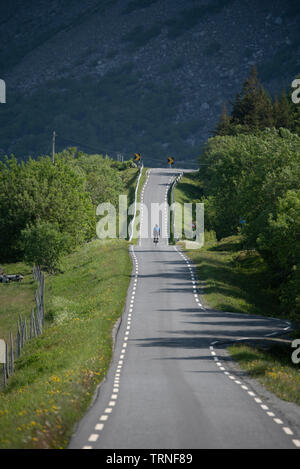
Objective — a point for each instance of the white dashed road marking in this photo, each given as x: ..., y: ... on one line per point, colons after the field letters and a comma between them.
x: 264, y: 407
x: 103, y: 418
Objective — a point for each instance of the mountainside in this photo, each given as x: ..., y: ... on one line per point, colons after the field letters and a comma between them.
x: 135, y: 75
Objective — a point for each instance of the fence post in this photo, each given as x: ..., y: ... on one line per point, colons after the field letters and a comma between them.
x: 6, y: 364
x: 34, y: 324
x: 4, y: 374
x: 18, y: 340
x: 21, y: 333
x: 39, y: 298
x: 3, y: 361
x: 42, y: 296
x: 12, y: 367
x: 25, y: 330
x: 6, y: 361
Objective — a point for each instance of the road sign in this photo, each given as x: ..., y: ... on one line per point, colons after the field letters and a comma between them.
x: 242, y: 222
x: 170, y: 160
x: 137, y: 157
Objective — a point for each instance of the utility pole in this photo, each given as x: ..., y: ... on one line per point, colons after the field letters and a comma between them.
x: 53, y: 146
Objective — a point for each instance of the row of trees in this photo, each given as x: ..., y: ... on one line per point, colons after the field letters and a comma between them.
x: 251, y: 177
x: 48, y: 209
x: 255, y: 178
x: 254, y: 110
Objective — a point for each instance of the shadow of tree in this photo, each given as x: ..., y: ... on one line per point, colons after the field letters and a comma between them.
x: 245, y: 280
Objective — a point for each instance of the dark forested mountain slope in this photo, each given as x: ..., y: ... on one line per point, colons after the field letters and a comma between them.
x: 135, y: 75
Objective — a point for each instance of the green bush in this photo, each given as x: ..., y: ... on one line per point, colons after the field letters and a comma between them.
x: 40, y: 191
x: 246, y: 174
x: 280, y: 245
x: 256, y: 177
x: 44, y: 245
x: 103, y: 182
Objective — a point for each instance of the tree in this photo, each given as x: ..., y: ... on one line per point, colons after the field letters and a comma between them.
x: 40, y: 191
x: 280, y: 245
x: 103, y: 182
x: 223, y: 126
x: 257, y: 177
x: 283, y: 111
x: 253, y: 106
x: 246, y: 174
x: 295, y: 114
x: 44, y: 245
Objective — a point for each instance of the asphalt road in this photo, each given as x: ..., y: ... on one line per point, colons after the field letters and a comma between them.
x: 169, y: 385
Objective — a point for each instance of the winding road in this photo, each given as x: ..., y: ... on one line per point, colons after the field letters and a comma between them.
x: 170, y: 383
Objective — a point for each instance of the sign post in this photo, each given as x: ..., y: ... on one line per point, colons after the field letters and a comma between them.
x: 171, y: 161
x: 2, y: 351
x: 3, y: 355
x: 137, y: 158
x: 242, y: 222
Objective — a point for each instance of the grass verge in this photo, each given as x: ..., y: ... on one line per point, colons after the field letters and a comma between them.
x: 129, y: 178
x: 16, y: 298
x: 58, y: 372
x: 188, y: 189
x: 273, y: 368
x: 234, y: 279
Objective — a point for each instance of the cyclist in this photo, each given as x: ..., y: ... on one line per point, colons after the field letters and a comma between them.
x: 156, y: 233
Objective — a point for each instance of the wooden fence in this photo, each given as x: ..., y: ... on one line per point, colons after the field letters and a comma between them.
x: 25, y: 331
